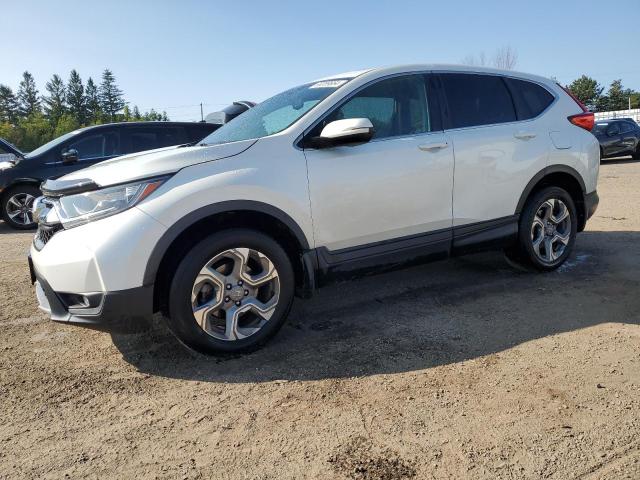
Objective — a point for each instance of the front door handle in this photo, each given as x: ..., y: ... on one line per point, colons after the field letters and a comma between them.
x: 524, y: 135
x: 430, y: 147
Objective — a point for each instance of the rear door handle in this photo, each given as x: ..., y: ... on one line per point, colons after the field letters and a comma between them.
x: 524, y: 135
x: 430, y: 147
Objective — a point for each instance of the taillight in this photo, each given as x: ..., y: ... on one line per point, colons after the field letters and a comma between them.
x: 583, y: 120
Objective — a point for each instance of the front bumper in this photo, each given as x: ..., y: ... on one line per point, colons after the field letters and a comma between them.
x: 93, y: 275
x: 122, y: 311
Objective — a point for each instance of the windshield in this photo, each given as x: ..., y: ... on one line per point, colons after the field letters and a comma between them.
x: 7, y: 147
x: 275, y: 114
x: 53, y: 143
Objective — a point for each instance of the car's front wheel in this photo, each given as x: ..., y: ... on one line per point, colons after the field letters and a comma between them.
x: 547, y: 230
x: 17, y: 204
x: 231, y: 292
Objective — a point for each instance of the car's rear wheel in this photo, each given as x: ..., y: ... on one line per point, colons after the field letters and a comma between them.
x: 231, y: 292
x: 547, y: 230
x: 17, y: 204
x: 636, y: 154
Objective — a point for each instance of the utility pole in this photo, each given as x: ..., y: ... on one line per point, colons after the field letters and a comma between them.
x: 202, y: 113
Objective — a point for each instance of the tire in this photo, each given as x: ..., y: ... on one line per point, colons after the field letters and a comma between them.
x: 543, y: 242
x: 222, y: 256
x: 15, y: 201
x: 636, y: 155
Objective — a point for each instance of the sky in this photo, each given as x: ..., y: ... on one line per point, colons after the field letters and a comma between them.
x: 174, y: 55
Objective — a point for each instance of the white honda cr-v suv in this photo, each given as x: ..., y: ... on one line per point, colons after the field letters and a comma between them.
x: 354, y: 173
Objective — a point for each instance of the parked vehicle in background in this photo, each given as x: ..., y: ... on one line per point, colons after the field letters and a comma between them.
x: 229, y: 113
x: 8, y: 154
x: 360, y: 172
x: 21, y: 177
x: 618, y: 137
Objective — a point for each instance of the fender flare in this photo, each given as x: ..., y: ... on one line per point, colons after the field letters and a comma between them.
x: 161, y: 247
x: 543, y: 173
x: 30, y: 180
x: 35, y: 182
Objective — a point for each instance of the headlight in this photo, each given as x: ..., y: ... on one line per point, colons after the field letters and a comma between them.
x: 82, y: 208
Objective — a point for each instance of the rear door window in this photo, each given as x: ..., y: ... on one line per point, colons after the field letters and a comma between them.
x: 529, y: 98
x: 199, y: 131
x: 613, y: 129
x: 173, y: 136
x: 149, y: 138
x: 474, y: 100
x: 626, y: 127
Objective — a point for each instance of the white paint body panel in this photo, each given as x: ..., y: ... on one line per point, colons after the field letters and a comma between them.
x: 379, y: 190
x: 340, y: 197
x: 493, y: 168
x: 107, y: 255
x: 274, y: 174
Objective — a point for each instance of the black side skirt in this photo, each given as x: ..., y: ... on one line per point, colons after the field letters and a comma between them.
x: 333, y: 265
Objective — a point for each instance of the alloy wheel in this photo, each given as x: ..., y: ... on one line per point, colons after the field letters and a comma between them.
x: 19, y: 208
x: 551, y: 230
x: 235, y: 294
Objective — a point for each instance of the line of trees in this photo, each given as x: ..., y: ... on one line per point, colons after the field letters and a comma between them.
x: 29, y: 119
x: 592, y: 94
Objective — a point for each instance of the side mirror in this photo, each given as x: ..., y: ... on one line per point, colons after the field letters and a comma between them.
x: 344, y: 132
x: 70, y: 156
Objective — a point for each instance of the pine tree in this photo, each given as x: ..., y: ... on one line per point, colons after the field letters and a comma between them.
x: 92, y: 101
x: 8, y: 105
x: 54, y: 104
x: 136, y: 114
x: 587, y: 90
x: 28, y: 98
x: 126, y: 114
x: 165, y: 118
x: 75, y: 98
x: 617, y: 100
x: 111, y: 97
x: 66, y: 123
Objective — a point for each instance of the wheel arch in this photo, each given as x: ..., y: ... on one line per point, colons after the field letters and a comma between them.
x: 32, y: 182
x: 182, y: 235
x: 562, y: 176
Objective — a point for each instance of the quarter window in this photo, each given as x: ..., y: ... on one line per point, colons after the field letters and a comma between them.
x: 477, y: 100
x: 396, y: 106
x: 530, y: 99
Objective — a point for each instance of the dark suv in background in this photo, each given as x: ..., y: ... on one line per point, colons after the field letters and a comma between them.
x: 21, y: 174
x: 618, y: 137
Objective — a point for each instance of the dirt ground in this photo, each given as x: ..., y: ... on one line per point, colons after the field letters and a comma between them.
x: 460, y: 369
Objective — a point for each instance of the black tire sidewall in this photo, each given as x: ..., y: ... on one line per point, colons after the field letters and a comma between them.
x: 29, y: 189
x: 526, y: 220
x: 180, y: 316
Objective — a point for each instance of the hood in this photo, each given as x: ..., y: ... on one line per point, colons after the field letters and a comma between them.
x: 151, y: 163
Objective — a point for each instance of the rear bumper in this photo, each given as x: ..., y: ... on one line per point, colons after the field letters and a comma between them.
x: 122, y: 311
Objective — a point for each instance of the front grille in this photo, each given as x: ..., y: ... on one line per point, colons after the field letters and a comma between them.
x: 45, y: 233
